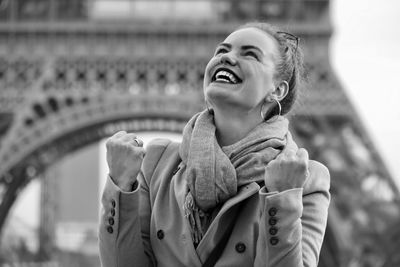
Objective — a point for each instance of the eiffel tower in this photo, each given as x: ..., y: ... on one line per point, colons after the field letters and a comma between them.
x: 71, y: 75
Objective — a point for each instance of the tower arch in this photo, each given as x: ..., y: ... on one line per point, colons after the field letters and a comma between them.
x: 29, y: 148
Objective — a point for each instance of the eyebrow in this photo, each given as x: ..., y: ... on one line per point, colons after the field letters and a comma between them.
x: 225, y: 44
x: 244, y: 47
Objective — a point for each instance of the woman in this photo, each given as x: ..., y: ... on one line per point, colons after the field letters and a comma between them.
x: 237, y: 191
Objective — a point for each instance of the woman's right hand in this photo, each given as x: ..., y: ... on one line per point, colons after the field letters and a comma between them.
x: 124, y: 157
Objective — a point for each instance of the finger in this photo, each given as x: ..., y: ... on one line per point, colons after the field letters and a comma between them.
x: 111, y: 140
x: 139, y: 142
x: 136, y: 142
x: 290, y: 152
x: 287, y: 152
x: 302, y: 154
x: 119, y: 134
x: 129, y: 137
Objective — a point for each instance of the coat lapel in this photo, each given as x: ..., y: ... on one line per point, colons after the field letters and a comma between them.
x: 213, y: 236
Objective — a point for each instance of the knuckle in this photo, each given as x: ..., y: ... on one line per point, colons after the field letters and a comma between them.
x: 118, y: 134
x: 131, y: 135
x: 110, y: 142
x: 285, y: 160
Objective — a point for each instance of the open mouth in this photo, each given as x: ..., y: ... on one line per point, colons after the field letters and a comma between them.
x: 224, y: 75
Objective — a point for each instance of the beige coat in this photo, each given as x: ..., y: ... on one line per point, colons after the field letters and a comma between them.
x: 147, y: 227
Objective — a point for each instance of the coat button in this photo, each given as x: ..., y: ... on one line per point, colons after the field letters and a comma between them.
x: 110, y: 229
x: 113, y: 203
x: 273, y: 230
x: 272, y: 211
x: 112, y: 212
x: 160, y: 234
x: 111, y: 221
x: 272, y: 221
x: 274, y: 241
x: 240, y: 247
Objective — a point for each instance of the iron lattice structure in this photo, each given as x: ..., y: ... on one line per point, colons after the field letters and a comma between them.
x: 67, y: 80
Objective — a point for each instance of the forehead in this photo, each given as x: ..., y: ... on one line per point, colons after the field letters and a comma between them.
x: 254, y: 37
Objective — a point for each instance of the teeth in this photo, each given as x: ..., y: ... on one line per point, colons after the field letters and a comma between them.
x: 225, y: 76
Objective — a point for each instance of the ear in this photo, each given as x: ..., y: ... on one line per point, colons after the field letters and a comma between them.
x: 281, y: 90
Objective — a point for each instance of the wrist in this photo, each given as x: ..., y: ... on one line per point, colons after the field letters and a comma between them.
x: 280, y: 188
x: 276, y: 187
x: 125, y: 184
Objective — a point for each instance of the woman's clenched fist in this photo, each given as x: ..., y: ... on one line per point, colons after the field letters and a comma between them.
x: 124, y: 157
x: 289, y: 170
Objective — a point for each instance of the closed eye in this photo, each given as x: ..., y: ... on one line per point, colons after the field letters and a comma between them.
x: 251, y: 54
x: 221, y: 50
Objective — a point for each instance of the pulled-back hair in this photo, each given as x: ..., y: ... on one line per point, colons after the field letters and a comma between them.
x: 289, y: 66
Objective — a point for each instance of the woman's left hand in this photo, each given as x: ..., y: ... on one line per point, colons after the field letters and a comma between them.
x: 289, y: 170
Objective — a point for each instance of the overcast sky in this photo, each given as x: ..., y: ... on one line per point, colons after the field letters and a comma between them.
x: 365, y: 53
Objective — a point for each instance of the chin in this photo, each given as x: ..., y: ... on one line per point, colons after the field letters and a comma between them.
x: 220, y: 96
x: 215, y: 90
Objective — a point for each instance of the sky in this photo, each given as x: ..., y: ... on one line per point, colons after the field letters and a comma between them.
x: 365, y: 54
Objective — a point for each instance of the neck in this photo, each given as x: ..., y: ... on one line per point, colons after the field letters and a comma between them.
x: 232, y: 126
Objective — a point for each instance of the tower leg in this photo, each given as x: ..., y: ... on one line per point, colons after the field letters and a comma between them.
x: 48, y: 207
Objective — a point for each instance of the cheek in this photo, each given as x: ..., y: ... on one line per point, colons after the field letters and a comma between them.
x: 261, y: 84
x: 260, y: 77
x: 267, y: 77
x: 211, y: 63
x: 207, y: 75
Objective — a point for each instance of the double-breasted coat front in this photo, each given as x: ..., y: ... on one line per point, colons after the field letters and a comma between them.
x: 147, y: 227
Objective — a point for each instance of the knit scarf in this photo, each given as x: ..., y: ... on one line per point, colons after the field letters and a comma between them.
x: 215, y: 173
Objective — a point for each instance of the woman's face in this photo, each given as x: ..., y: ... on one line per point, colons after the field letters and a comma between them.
x: 242, y: 69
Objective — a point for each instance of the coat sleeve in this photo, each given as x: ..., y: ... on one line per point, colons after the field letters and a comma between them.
x: 124, y: 228
x: 293, y: 222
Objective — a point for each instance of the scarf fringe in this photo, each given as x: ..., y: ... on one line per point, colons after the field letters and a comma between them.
x: 193, y: 214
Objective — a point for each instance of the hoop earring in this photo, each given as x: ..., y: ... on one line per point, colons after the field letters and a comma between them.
x: 280, y: 110
x: 277, y: 116
x: 280, y: 107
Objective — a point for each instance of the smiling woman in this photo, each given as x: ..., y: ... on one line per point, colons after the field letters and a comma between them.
x: 237, y: 191
x: 245, y: 54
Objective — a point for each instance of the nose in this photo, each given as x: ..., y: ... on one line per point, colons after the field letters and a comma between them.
x: 228, y: 58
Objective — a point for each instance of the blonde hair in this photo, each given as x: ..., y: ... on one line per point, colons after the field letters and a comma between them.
x: 290, y: 65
